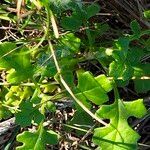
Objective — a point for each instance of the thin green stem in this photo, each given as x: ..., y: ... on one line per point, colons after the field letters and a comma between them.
x: 69, y: 90
x: 49, y: 13
x: 27, y: 84
x: 54, y: 25
x: 76, y: 128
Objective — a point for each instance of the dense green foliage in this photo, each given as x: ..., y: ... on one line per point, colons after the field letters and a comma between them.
x: 42, y: 70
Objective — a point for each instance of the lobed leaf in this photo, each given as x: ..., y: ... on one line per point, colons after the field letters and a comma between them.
x: 92, y: 10
x: 118, y: 135
x: 27, y: 114
x: 13, y: 58
x: 72, y: 22
x: 37, y: 140
x: 92, y: 90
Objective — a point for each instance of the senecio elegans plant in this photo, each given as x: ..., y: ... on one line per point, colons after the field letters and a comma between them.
x: 56, y: 56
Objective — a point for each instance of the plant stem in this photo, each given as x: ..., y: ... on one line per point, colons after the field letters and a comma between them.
x: 69, y: 90
x: 49, y: 13
x: 26, y: 84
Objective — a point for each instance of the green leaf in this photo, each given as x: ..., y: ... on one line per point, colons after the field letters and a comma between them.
x: 81, y: 119
x: 27, y: 93
x: 100, y: 28
x: 135, y: 27
x: 72, y: 23
x: 122, y: 45
x: 6, y: 59
x: 27, y: 114
x: 83, y: 99
x: 142, y: 70
x: 4, y: 112
x: 68, y: 77
x: 37, y: 140
x: 16, y: 59
x: 50, y: 70
x: 147, y: 14
x: 104, y: 82
x: 68, y: 69
x: 120, y: 70
x: 92, y: 10
x: 118, y: 135
x: 17, y: 76
x: 91, y: 88
x: 65, y: 66
x: 71, y: 43
x: 134, y: 55
x: 50, y: 106
x: 102, y: 56
x: 121, y: 83
x: 139, y: 108
x: 142, y: 86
